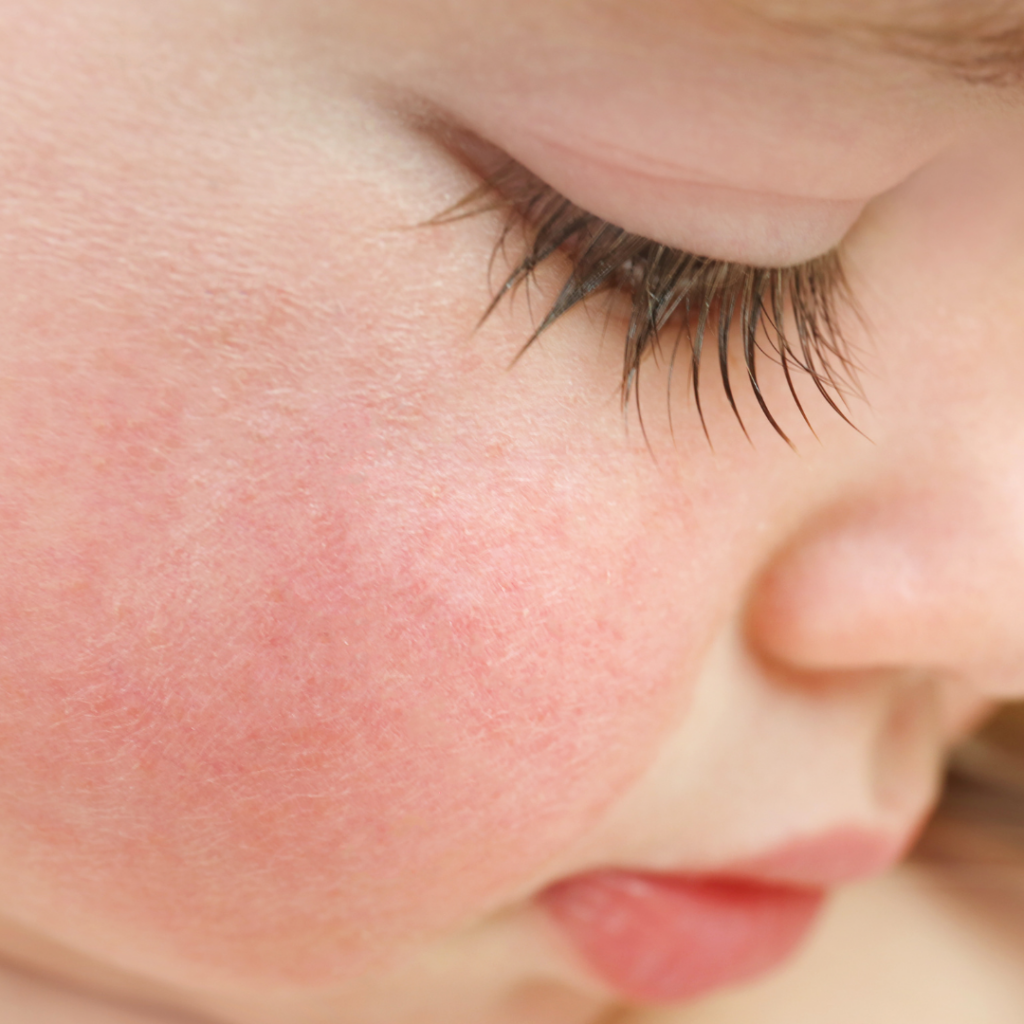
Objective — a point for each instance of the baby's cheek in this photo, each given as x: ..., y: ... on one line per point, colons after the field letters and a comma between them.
x: 317, y: 635
x: 358, y: 698
x: 302, y: 658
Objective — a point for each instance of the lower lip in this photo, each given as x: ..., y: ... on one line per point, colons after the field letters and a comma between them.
x: 661, y: 938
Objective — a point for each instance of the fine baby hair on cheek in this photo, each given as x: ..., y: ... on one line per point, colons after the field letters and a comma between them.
x: 294, y: 744
x: 311, y: 648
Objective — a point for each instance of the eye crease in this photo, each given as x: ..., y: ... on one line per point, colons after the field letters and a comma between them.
x: 787, y: 314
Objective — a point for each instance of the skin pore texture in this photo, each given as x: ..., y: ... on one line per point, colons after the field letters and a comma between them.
x: 331, y: 638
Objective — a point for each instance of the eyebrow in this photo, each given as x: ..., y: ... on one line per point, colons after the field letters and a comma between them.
x: 974, y: 41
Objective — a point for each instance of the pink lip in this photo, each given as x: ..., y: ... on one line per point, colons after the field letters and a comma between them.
x: 660, y: 938
x: 842, y: 855
x: 664, y: 937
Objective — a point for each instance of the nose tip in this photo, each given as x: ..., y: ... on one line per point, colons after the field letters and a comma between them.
x: 923, y: 584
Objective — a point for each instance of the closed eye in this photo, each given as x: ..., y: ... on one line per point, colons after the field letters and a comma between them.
x: 788, y: 314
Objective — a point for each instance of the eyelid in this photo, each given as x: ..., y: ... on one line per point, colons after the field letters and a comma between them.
x: 700, y: 211
x: 789, y: 314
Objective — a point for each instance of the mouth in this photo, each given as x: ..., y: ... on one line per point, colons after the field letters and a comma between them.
x: 665, y: 937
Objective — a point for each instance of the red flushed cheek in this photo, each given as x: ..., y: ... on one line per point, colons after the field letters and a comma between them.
x: 302, y: 661
x: 356, y: 701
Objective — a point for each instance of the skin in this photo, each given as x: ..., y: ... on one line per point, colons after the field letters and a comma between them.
x: 328, y: 639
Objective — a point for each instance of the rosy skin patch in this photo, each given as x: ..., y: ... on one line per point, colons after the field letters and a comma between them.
x: 344, y: 646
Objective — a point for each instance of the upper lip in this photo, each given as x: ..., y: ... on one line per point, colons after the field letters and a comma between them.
x: 819, y: 860
x: 822, y: 860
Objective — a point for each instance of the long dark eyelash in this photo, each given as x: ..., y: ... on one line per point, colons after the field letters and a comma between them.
x: 787, y: 314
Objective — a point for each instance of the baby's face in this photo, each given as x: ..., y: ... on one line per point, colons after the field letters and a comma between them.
x: 333, y: 634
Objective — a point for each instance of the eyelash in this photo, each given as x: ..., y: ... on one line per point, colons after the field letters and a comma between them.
x: 664, y: 285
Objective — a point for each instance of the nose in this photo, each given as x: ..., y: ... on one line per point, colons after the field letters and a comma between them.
x: 868, y: 639
x: 926, y: 583
x: 889, y: 622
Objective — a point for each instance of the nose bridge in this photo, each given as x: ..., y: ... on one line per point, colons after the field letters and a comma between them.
x: 918, y: 562
x: 911, y: 578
